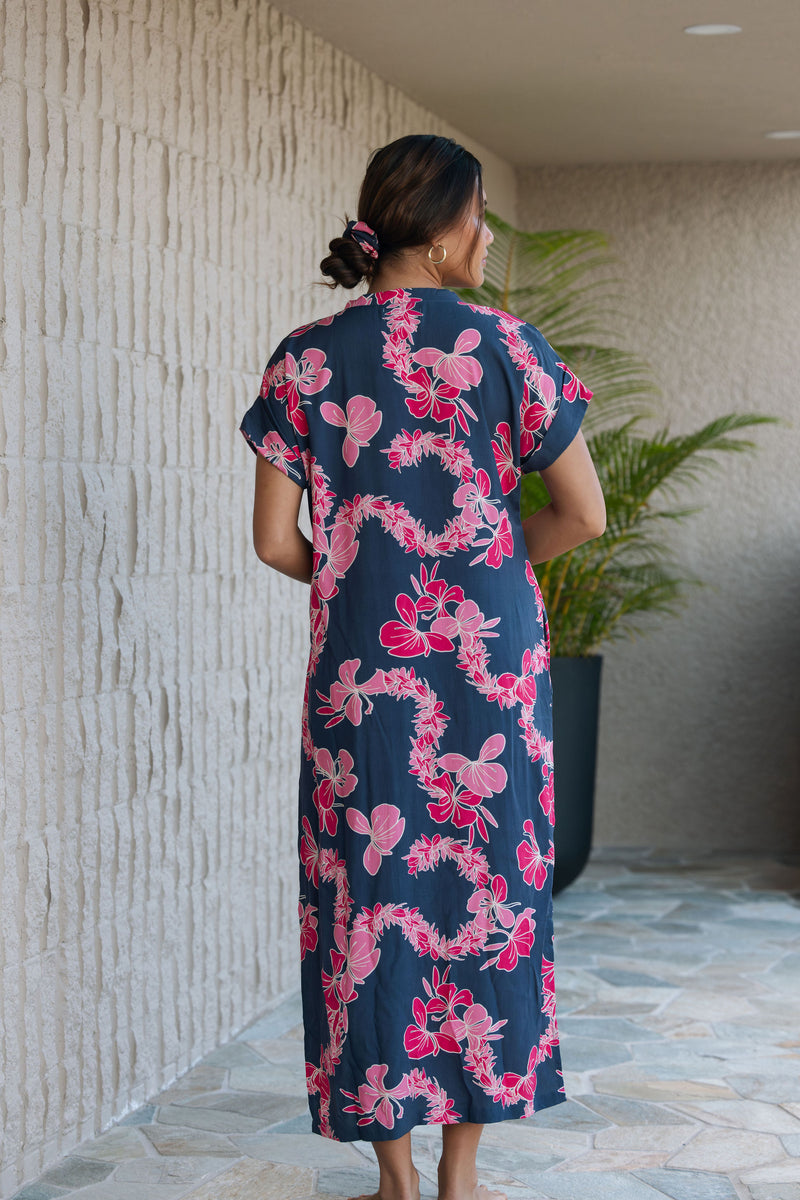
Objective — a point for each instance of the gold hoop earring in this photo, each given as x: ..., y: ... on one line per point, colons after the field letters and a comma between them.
x: 437, y: 261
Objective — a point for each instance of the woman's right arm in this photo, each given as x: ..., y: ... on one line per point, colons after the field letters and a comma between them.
x: 576, y: 512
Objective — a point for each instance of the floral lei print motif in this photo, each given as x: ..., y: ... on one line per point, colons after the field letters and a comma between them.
x: 470, y: 397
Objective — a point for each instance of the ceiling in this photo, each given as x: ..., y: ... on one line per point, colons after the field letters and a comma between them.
x: 585, y: 81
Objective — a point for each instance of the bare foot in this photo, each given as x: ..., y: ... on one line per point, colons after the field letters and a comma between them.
x: 392, y: 1192
x: 478, y: 1192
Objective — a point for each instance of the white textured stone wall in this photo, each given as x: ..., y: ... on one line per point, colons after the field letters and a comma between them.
x: 699, y: 718
x: 171, y: 175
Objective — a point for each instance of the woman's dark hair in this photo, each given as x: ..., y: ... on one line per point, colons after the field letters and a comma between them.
x: 413, y: 190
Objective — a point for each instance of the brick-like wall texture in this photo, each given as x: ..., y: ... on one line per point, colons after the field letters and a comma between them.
x: 171, y: 175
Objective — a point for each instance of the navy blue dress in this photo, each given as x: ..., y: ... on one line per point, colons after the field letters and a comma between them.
x: 426, y: 791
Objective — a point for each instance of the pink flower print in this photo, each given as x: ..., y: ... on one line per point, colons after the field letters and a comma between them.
x: 444, y: 996
x: 430, y: 397
x: 517, y: 945
x: 481, y: 776
x: 504, y: 458
x: 341, y: 550
x: 499, y: 545
x: 434, y: 593
x: 573, y: 387
x: 489, y: 902
x: 384, y: 832
x: 276, y: 448
x: 308, y: 928
x: 473, y: 495
x: 547, y: 798
x: 467, y: 623
x: 358, y: 955
x: 463, y: 808
x: 307, y: 376
x: 548, y: 987
x: 375, y: 1098
x: 531, y: 862
x: 337, y: 780
x: 420, y: 1041
x: 476, y: 1025
x: 403, y: 639
x: 518, y: 1087
x: 346, y: 697
x: 361, y: 421
x: 458, y: 368
x: 523, y: 686
x: 536, y: 415
x: 309, y: 853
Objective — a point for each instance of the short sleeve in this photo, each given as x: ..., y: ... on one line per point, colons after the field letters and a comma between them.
x: 275, y: 426
x: 553, y: 405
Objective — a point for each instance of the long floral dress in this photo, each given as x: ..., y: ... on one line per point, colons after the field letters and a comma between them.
x: 426, y: 789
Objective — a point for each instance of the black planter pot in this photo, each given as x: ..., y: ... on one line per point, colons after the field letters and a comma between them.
x: 576, y: 709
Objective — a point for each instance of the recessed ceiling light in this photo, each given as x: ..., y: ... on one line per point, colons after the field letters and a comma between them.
x: 710, y: 30
x: 779, y: 134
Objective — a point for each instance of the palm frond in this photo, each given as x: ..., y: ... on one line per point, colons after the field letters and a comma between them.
x: 604, y: 589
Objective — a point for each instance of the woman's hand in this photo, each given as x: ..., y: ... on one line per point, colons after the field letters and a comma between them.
x: 277, y: 539
x: 576, y: 512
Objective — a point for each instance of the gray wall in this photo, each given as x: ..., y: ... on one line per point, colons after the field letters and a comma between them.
x: 699, y: 721
x: 171, y: 175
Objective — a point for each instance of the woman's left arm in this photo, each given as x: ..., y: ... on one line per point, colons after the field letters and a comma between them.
x: 278, y: 540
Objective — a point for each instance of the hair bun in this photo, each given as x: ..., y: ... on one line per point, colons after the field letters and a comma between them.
x: 348, y: 262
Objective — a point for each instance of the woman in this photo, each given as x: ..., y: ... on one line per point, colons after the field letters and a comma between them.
x: 426, y: 782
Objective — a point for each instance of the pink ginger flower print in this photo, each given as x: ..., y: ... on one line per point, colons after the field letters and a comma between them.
x: 532, y: 863
x: 491, y: 902
x: 347, y: 697
x: 278, y: 452
x: 536, y: 415
x: 523, y: 686
x: 547, y: 797
x: 384, y: 832
x: 309, y: 852
x: 481, y: 776
x: 500, y: 544
x: 404, y: 639
x: 473, y: 495
x: 504, y: 458
x: 420, y: 1041
x: 308, y: 928
x: 459, y: 369
x: 306, y: 378
x: 573, y: 387
x: 337, y: 780
x: 467, y: 623
x: 361, y: 422
x: 340, y: 551
x: 358, y: 955
x: 517, y: 945
x: 374, y: 1099
x: 476, y: 1026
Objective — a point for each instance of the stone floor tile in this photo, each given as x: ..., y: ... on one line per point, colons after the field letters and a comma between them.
x: 216, y: 1120
x: 280, y: 1051
x: 612, y: 1029
x: 235, y: 1054
x: 350, y: 1182
x: 251, y: 1180
x: 728, y: 1150
x: 629, y: 979
x: 140, y: 1116
x: 116, y: 1145
x: 664, y: 1139
x: 265, y: 1107
x: 156, y: 1169
x: 174, y: 1140
x: 690, y: 1185
x: 202, y: 1078
x: 591, y: 1185
x: 75, y: 1171
x: 39, y: 1191
x: 785, y: 1172
x: 637, y: 1083
x: 774, y: 1087
x: 618, y: 1111
x: 298, y: 1148
x: 280, y: 1020
x: 111, y: 1190
x: 268, y: 1078
x: 743, y: 1114
x: 775, y: 1191
x: 581, y: 1054
x: 791, y: 1144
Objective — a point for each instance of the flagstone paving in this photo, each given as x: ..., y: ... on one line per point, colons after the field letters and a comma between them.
x: 678, y: 987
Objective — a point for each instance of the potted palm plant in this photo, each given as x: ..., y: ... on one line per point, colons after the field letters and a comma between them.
x: 600, y: 591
